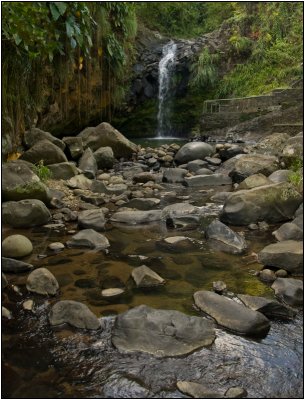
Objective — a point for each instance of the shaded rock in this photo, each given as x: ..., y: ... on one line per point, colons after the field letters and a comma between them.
x: 254, y: 181
x: 248, y: 165
x: 79, y: 182
x: 289, y: 290
x: 94, y: 219
x: 19, y: 182
x: 281, y: 175
x: 42, y: 281
x: 268, y: 307
x: 163, y: 333
x: 143, y: 204
x: 104, y: 157
x: 104, y: 135
x: 287, y: 255
x: 232, y: 315
x: 174, y: 175
x: 34, y: 135
x: 16, y: 246
x: 75, y: 146
x: 145, y: 277
x: 236, y: 392
x: 75, y: 314
x: 89, y: 238
x: 176, y: 244
x: 288, y: 231
x: 136, y: 217
x: 87, y: 164
x: 4, y: 281
x: 25, y: 213
x: 64, y: 170
x: 273, y: 203
x: 144, y: 177
x: 219, y: 287
x: 195, y: 165
x: 193, y: 151
x: 228, y: 152
x: 267, y: 275
x: 198, y: 391
x: 46, y: 151
x: 226, y: 239
x: 208, y: 180
x: 14, y: 266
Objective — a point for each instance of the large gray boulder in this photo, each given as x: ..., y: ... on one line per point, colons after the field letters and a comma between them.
x: 193, y: 151
x: 16, y: 246
x: 75, y: 146
x: 94, y: 219
x: 253, y: 181
x: 248, y: 165
x: 25, y: 213
x: 19, y: 182
x: 73, y: 313
x: 136, y: 217
x: 87, y: 164
x: 146, y: 277
x: 42, y: 281
x: 287, y: 255
x: 272, y: 203
x: 104, y: 157
x: 105, y: 135
x: 288, y: 231
x: 11, y: 265
x: 289, y: 290
x: 45, y: 151
x: 232, y: 315
x: 163, y: 333
x: 34, y: 135
x: 224, y: 238
x: 64, y: 170
x: 208, y: 180
x: 89, y: 238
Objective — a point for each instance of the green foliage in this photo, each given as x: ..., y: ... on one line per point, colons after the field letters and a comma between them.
x: 296, y: 175
x: 42, y: 171
x: 204, y: 72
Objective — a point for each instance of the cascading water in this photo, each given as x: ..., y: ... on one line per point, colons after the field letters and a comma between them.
x: 166, y: 67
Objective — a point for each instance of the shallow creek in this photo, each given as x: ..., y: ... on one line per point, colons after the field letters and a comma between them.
x: 42, y: 362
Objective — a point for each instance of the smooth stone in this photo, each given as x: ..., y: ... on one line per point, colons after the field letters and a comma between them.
x: 75, y: 314
x: 143, y: 204
x: 56, y: 246
x: 174, y: 175
x: 288, y: 231
x: 231, y: 315
x: 25, y: 213
x: 198, y: 391
x: 104, y: 157
x: 112, y: 292
x: 89, y: 238
x: 281, y: 175
x: 193, y: 151
x: 144, y: 177
x: 146, y: 277
x: 219, y: 287
x: 42, y: 281
x: 28, y: 305
x: 267, y: 275
x: 236, y: 392
x: 203, y: 171
x: 93, y: 219
x: 4, y: 281
x: 289, y: 290
x: 5, y: 313
x: 16, y: 246
x: 213, y: 161
x: 281, y: 273
x: 100, y: 187
x: 208, y: 180
x: 178, y: 210
x: 163, y: 333
x: 79, y: 182
x: 253, y: 181
x: 14, y: 266
x: 136, y: 217
x: 225, y: 238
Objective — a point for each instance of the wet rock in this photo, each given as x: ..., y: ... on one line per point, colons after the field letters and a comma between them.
x: 75, y: 314
x: 136, y: 217
x: 42, y: 281
x: 14, y: 266
x: 4, y: 281
x: 145, y: 277
x: 178, y: 210
x: 28, y: 305
x: 75, y: 146
x: 232, y: 315
x: 94, y: 219
x: 253, y: 181
x: 193, y: 151
x: 79, y: 182
x: 281, y: 175
x: 289, y: 290
x: 225, y: 238
x: 16, y: 246
x: 163, y: 333
x: 143, y: 204
x: 46, y: 151
x: 236, y: 392
x: 226, y: 153
x: 64, y: 170
x: 219, y: 287
x: 287, y: 255
x: 183, y: 222
x: 34, y: 135
x: 104, y: 157
x: 176, y: 244
x: 268, y: 307
x: 5, y: 313
x: 25, y: 213
x: 87, y: 164
x: 198, y: 391
x: 208, y: 180
x: 267, y: 275
x: 112, y: 292
x: 213, y: 161
x: 89, y: 238
x: 273, y: 203
x: 56, y: 246
x: 288, y: 231
x: 174, y: 175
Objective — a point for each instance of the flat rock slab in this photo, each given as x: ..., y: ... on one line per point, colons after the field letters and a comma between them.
x: 289, y: 290
x: 163, y: 333
x: 146, y: 277
x: 136, y: 217
x: 11, y: 265
x: 89, y: 238
x: 231, y: 315
x: 224, y: 238
x: 208, y: 180
x: 287, y: 254
x: 198, y: 391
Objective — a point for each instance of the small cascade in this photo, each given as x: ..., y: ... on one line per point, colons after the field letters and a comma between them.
x: 166, y: 68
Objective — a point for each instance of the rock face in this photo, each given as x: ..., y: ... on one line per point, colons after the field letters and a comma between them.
x: 89, y: 238
x: 226, y: 239
x: 104, y: 157
x: 88, y: 164
x: 287, y: 255
x: 193, y: 151
x: 273, y: 203
x: 46, y: 151
x: 174, y: 175
x: 208, y: 180
x: 19, y: 183
x: 42, y: 281
x: 105, y: 135
x: 10, y: 265
x: 289, y: 290
x: 232, y: 315
x: 16, y: 246
x: 73, y: 313
x: 136, y: 217
x: 94, y: 219
x: 146, y: 277
x: 248, y: 165
x: 64, y: 170
x: 163, y: 333
x: 288, y: 231
x: 25, y: 213
x: 34, y: 135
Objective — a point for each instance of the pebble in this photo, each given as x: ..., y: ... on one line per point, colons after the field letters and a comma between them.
x: 6, y: 313
x: 56, y: 246
x: 28, y: 305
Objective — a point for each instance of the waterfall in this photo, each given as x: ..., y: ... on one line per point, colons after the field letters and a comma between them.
x: 166, y: 67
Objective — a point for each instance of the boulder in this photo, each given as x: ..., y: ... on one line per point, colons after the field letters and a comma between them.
x: 104, y: 157
x: 16, y: 246
x: 94, y: 219
x: 75, y: 146
x: 270, y: 308
x: 25, y: 213
x: 289, y: 290
x: 219, y: 287
x: 272, y: 203
x: 299, y: 221
x: 11, y: 265
x: 300, y: 211
x: 287, y: 255
x: 87, y: 164
x: 208, y: 180
x: 100, y: 187
x: 34, y: 135
x: 136, y: 217
x: 104, y: 135
x: 272, y: 144
x: 176, y: 244
x: 73, y: 313
x: 42, y: 281
x: 79, y: 182
x: 253, y: 181
x: 293, y: 150
x: 89, y: 238
x: 281, y: 175
x: 288, y: 231
x: 193, y: 151
x: 143, y: 204
x: 195, y: 165
x: 248, y: 165
x: 198, y: 391
x: 225, y: 239
x: 64, y: 170
x: 174, y: 175
x: 45, y: 151
x: 19, y: 182
x: 232, y: 315
x: 163, y: 333
x: 146, y: 277
x: 226, y: 153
